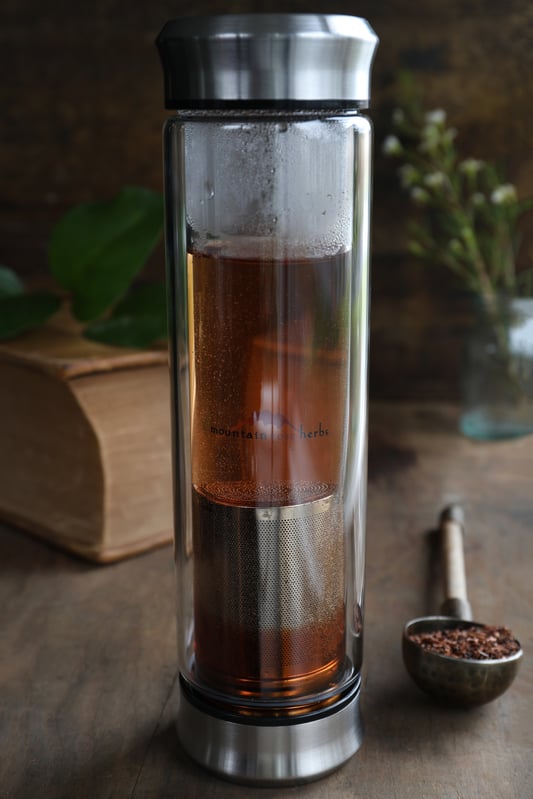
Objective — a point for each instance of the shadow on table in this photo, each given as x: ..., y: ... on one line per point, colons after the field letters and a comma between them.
x: 22, y: 552
x: 401, y: 718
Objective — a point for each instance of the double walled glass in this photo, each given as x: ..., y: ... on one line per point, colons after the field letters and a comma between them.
x: 267, y: 245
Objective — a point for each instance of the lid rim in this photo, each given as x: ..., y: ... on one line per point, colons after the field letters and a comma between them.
x: 235, y: 24
x: 294, y: 58
x: 284, y: 104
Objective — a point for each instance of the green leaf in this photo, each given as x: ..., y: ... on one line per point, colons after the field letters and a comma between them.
x: 147, y: 299
x: 97, y: 249
x: 139, y: 320
x: 10, y: 283
x: 126, y: 331
x: 22, y: 312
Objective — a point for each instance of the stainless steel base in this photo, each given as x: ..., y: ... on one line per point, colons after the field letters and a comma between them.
x: 271, y: 754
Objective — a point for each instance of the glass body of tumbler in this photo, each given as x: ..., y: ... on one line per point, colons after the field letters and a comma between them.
x: 267, y: 234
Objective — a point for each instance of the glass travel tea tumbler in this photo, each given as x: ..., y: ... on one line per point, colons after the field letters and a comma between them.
x: 267, y: 189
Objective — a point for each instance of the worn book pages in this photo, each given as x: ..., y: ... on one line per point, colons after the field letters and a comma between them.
x: 85, y: 443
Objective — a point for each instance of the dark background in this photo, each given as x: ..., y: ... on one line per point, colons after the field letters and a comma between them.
x: 82, y: 109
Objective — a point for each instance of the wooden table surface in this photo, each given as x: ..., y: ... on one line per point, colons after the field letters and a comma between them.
x: 87, y: 654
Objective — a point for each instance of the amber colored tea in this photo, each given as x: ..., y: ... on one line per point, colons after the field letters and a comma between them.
x: 269, y: 363
x: 269, y: 369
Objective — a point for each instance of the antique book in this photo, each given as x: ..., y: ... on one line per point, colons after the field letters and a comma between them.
x: 85, y: 443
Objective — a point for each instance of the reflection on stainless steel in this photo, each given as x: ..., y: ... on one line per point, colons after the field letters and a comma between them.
x: 271, y: 754
x: 267, y: 57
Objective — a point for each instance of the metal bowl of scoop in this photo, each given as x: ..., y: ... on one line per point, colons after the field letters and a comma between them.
x: 454, y: 681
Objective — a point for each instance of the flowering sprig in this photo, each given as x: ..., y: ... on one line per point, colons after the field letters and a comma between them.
x: 470, y: 215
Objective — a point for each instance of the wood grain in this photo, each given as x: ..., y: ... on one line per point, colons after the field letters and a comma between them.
x: 88, y: 666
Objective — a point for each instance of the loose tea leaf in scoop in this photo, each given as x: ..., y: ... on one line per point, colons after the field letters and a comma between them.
x: 473, y: 643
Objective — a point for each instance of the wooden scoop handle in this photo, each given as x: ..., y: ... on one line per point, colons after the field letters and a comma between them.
x: 456, y: 602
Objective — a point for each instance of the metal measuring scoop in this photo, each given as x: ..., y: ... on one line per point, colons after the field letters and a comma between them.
x: 455, y: 681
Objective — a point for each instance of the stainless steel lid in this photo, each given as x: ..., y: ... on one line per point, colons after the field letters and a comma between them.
x: 267, y: 59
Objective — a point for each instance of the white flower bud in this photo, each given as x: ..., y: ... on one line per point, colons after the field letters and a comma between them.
x: 471, y: 166
x: 392, y: 146
x: 398, y: 116
x: 504, y: 194
x: 419, y: 196
x: 435, y: 117
x: 435, y: 180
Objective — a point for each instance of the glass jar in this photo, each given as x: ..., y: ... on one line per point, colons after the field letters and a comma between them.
x: 497, y: 372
